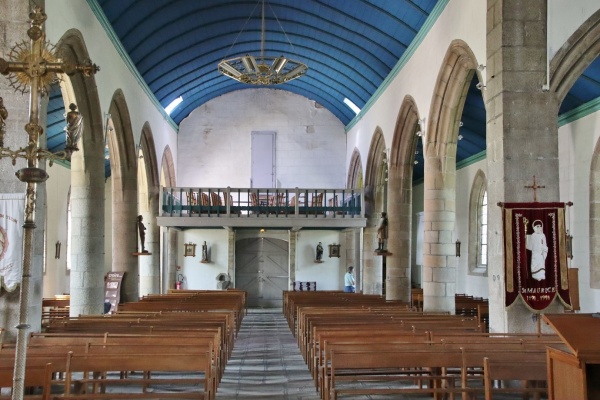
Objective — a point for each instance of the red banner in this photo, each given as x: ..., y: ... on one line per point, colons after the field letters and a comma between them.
x: 535, y: 256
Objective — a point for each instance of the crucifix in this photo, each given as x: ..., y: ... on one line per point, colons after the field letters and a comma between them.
x: 535, y: 187
x: 33, y: 65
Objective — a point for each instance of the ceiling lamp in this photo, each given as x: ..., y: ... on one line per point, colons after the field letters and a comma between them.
x: 263, y: 70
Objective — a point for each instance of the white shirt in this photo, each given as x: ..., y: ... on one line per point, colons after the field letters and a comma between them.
x: 349, y: 279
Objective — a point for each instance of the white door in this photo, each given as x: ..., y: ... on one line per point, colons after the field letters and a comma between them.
x: 263, y: 160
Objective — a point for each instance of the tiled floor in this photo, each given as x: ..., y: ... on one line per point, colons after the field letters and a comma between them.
x: 266, y: 362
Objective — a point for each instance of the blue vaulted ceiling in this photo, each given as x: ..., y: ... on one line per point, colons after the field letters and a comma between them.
x: 350, y: 47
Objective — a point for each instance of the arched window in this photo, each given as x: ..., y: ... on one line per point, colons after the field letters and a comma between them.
x: 478, y: 221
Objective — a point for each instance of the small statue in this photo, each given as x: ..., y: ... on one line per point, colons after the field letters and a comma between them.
x: 319, y: 251
x: 204, y: 252
x: 142, y: 232
x: 382, y: 232
x: 3, y: 116
x: 74, y: 129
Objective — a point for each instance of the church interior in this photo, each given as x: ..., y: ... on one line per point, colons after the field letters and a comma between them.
x: 236, y: 157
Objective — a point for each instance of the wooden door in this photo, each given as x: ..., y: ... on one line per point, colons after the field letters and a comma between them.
x: 262, y: 271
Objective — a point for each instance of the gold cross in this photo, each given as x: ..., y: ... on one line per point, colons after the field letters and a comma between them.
x: 535, y: 187
x: 35, y: 65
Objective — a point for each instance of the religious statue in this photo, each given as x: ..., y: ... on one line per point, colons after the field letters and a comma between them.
x: 319, y: 251
x: 142, y: 232
x: 382, y: 232
x: 74, y: 129
x: 204, y: 252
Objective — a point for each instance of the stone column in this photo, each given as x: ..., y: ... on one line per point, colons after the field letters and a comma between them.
x: 124, y: 228
x: 149, y: 265
x: 172, y: 252
x: 87, y: 233
x: 439, y: 261
x: 231, y: 255
x: 372, y: 264
x: 397, y: 286
x: 293, y: 245
x: 522, y: 135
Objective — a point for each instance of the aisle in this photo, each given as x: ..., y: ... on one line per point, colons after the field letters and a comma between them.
x: 266, y: 362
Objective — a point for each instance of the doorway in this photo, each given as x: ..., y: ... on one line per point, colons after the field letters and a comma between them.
x: 262, y: 271
x: 263, y: 160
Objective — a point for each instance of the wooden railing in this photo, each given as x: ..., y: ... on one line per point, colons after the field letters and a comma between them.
x: 252, y: 202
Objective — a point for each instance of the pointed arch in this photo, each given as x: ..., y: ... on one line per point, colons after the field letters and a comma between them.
x: 402, y: 155
x: 355, y: 175
x: 478, y: 190
x: 441, y: 136
x: 167, y: 168
x: 123, y: 165
x: 87, y: 185
x: 575, y: 56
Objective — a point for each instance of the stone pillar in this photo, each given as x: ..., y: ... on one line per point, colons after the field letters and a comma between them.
x: 397, y: 286
x: 124, y: 238
x: 149, y: 265
x: 293, y: 245
x: 439, y: 261
x: 172, y: 254
x: 87, y: 233
x: 522, y: 135
x: 352, y: 240
x: 372, y: 264
x: 231, y: 255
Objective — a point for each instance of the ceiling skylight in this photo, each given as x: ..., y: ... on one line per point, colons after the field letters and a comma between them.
x: 174, y: 103
x: 352, y: 106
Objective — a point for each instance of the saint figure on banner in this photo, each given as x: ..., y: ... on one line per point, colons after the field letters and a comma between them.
x: 536, y: 243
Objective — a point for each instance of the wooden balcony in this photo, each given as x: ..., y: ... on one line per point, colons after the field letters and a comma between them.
x: 188, y: 207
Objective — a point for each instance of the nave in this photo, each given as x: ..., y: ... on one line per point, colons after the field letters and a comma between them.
x: 266, y: 362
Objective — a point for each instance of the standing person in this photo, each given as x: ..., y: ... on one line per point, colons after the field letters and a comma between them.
x: 349, y: 282
x: 382, y: 232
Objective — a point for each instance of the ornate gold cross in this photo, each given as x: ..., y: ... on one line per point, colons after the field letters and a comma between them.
x: 34, y: 65
x: 535, y: 187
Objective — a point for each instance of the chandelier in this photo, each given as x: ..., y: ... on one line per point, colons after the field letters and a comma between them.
x: 262, y: 70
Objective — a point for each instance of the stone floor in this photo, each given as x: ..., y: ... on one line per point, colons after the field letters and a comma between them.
x: 266, y: 362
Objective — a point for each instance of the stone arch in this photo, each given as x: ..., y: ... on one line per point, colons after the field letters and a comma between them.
x: 375, y: 199
x: 87, y: 185
x: 167, y: 168
x: 402, y: 156
x: 149, y: 265
x: 594, y: 225
x: 167, y: 179
x: 575, y: 56
x: 439, y: 261
x: 123, y: 164
x: 355, y: 176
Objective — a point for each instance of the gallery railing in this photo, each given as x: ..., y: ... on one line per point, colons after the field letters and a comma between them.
x: 252, y: 202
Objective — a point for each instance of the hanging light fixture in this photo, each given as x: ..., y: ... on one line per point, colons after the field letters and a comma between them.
x: 264, y: 70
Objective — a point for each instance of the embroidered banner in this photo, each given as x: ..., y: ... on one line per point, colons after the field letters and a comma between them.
x: 11, y: 239
x: 535, y: 257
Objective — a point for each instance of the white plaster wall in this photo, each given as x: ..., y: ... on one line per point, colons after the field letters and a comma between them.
x: 564, y: 18
x: 214, y: 141
x: 114, y: 74
x: 328, y: 275
x: 577, y: 142
x: 56, y: 278
x: 200, y: 276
